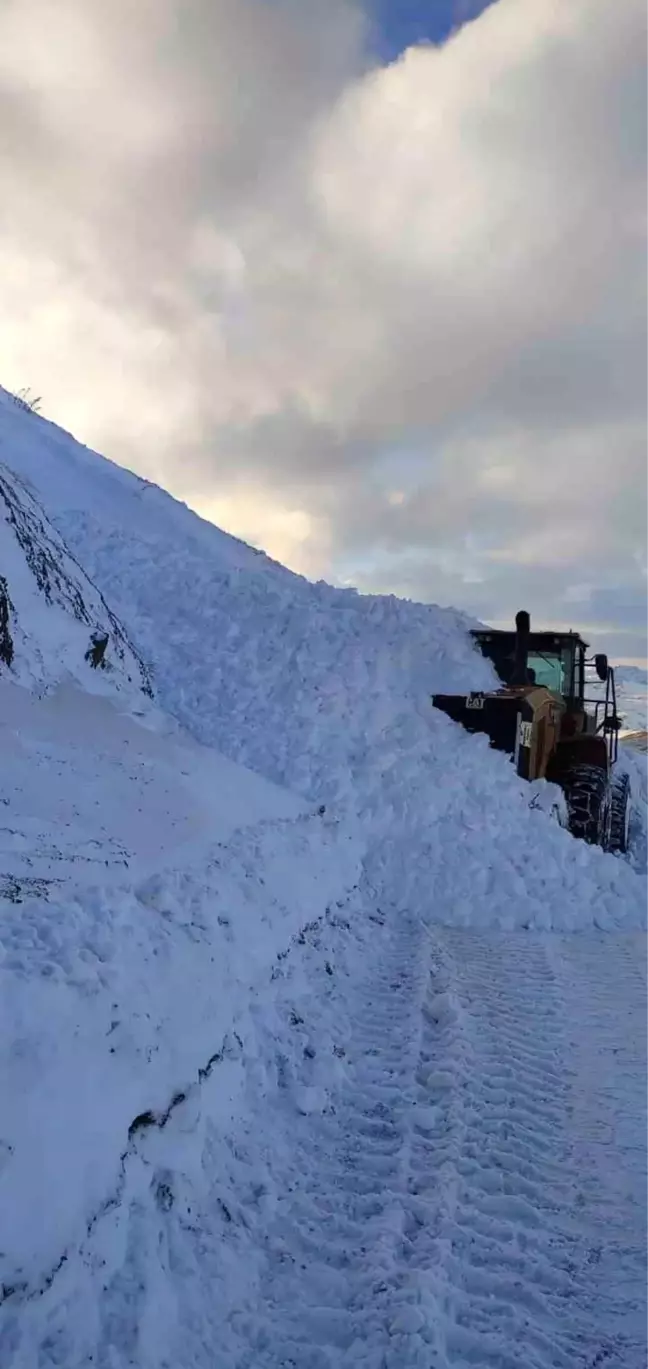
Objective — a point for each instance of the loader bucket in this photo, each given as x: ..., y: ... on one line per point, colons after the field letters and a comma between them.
x: 494, y: 714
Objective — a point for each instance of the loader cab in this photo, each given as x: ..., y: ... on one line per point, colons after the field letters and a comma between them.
x: 560, y: 662
x: 555, y: 660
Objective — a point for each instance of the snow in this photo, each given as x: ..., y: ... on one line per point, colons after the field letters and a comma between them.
x: 148, y: 884
x: 632, y: 695
x: 323, y: 1044
x: 56, y: 614
x: 460, y: 1188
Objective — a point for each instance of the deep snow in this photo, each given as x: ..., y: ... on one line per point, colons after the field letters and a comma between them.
x: 286, y: 1088
x: 327, y: 692
x: 147, y: 886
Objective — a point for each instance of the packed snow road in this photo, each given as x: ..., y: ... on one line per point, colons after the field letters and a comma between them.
x: 477, y: 1194
x: 425, y: 1149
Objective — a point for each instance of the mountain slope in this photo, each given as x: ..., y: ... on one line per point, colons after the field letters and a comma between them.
x: 54, y: 623
x: 632, y: 692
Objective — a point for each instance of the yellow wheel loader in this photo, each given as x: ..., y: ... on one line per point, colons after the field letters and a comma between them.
x: 542, y: 718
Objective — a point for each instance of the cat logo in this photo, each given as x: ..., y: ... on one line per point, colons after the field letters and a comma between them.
x: 474, y: 701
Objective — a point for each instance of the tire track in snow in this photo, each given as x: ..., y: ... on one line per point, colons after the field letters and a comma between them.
x: 505, y: 1226
x: 416, y: 1224
x: 606, y: 981
x: 468, y: 1198
x: 492, y: 1234
x: 435, y: 1220
x: 331, y: 1285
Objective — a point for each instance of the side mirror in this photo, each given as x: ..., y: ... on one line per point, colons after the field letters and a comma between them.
x: 601, y: 667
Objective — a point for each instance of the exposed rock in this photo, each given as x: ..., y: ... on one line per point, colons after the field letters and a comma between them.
x: 39, y: 570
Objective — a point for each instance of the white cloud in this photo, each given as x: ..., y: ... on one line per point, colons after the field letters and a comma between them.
x: 368, y: 316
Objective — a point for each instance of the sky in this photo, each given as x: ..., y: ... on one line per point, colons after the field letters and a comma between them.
x: 399, y: 24
x: 365, y: 285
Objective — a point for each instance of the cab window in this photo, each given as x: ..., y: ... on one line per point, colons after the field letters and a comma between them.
x: 548, y: 669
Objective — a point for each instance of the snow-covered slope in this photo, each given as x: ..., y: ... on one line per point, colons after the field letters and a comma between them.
x: 71, y: 479
x: 54, y: 623
x: 327, y: 692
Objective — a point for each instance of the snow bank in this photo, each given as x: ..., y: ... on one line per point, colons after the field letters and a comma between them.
x: 147, y: 889
x: 150, y: 1278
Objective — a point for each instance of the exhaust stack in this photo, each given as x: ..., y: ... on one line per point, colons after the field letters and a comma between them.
x: 519, y: 674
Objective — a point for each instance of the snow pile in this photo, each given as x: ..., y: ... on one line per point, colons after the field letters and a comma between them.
x: 54, y: 623
x: 328, y: 692
x: 147, y: 889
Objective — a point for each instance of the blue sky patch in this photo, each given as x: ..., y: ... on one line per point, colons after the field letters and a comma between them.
x: 400, y: 23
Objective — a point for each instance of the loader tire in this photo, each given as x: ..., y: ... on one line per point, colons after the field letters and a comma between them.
x: 620, y: 814
x: 587, y: 793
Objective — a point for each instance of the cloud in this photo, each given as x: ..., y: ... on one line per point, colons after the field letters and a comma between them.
x: 387, y: 321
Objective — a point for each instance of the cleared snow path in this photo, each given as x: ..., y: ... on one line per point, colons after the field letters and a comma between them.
x: 478, y: 1195
x: 604, y: 983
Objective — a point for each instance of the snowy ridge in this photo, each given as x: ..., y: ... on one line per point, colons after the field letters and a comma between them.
x: 54, y: 623
x: 633, y: 675
x: 72, y: 478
